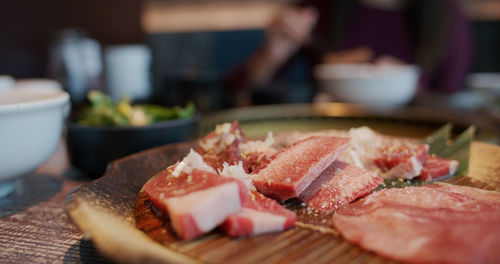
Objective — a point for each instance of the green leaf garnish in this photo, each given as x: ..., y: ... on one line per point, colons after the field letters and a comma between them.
x: 438, y: 140
x: 104, y: 112
x: 460, y: 150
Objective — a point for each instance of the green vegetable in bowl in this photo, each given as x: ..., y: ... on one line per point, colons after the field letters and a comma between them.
x: 104, y: 112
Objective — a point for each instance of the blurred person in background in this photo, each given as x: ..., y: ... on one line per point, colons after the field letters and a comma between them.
x: 431, y: 34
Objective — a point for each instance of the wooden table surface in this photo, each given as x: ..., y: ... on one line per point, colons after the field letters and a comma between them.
x: 34, y: 227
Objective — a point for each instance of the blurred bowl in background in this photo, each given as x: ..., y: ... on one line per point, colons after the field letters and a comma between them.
x: 91, y: 148
x: 369, y: 84
x: 31, y: 124
x: 488, y: 82
x: 38, y: 83
x: 6, y: 82
x: 486, y: 85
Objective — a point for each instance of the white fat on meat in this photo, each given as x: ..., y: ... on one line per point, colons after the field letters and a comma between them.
x: 363, y: 138
x: 223, y: 128
x: 360, y: 151
x: 223, y: 137
x: 263, y: 222
x: 237, y: 172
x: 208, y: 208
x: 351, y: 156
x: 192, y: 161
x: 258, y: 145
x: 406, y: 170
x: 452, y: 168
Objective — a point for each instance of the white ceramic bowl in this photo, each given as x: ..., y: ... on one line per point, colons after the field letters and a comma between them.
x: 487, y: 82
x: 31, y: 123
x: 377, y: 85
x: 6, y: 82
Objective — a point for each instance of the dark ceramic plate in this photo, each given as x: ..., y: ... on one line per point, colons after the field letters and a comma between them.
x: 104, y: 209
x: 91, y: 148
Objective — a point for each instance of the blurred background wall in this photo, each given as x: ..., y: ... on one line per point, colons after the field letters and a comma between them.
x: 27, y: 26
x: 194, y: 42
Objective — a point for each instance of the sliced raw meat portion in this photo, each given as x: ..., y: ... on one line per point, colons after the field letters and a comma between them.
x: 223, y: 135
x: 297, y: 165
x: 401, y: 161
x: 230, y: 155
x: 258, y: 215
x: 196, y: 202
x: 257, y: 154
x: 339, y: 184
x: 389, y: 156
x: 221, y: 145
x: 436, y: 223
x: 435, y: 167
x: 257, y: 161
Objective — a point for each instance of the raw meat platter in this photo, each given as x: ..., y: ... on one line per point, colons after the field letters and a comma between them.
x: 349, y: 194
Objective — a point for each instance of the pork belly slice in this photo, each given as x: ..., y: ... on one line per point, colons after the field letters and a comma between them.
x: 436, y: 167
x: 258, y: 215
x: 339, y: 184
x: 436, y: 223
x: 401, y: 161
x: 196, y: 202
x: 296, y: 166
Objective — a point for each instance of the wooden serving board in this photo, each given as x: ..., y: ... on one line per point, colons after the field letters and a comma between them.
x: 104, y: 212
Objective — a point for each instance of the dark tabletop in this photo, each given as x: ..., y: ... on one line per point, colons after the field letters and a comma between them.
x: 34, y: 227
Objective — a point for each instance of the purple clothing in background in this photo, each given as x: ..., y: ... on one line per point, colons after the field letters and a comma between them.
x: 385, y: 32
x: 457, y: 59
x: 389, y: 32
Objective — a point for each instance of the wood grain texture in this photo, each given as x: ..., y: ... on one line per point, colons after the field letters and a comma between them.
x: 34, y: 226
x: 485, y: 163
x: 309, y: 242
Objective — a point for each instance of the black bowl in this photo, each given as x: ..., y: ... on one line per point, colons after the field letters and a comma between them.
x: 91, y: 148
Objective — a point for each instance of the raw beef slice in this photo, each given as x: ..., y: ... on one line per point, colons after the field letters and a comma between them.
x: 401, y: 161
x: 257, y: 154
x: 256, y: 161
x: 438, y: 223
x: 221, y: 145
x: 435, y: 167
x: 296, y: 166
x: 196, y: 202
x: 258, y: 215
x: 339, y: 184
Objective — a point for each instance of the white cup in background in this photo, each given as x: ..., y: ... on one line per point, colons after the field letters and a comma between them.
x: 127, y: 71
